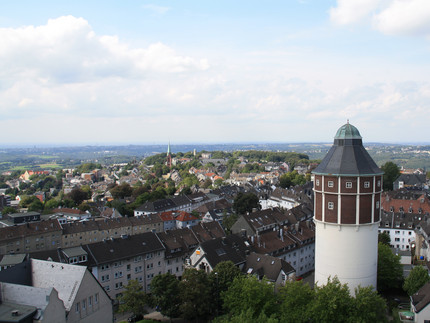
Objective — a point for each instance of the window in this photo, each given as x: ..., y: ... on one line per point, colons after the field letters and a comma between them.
x: 397, y: 239
x: 348, y: 184
x: 84, y: 304
x: 78, y: 307
x: 90, y: 301
x: 128, y: 267
x: 366, y: 184
x: 330, y: 205
x: 138, y: 269
x: 317, y: 182
x: 377, y: 204
x: 330, y: 184
x: 378, y: 183
x: 118, y: 274
x: 96, y: 298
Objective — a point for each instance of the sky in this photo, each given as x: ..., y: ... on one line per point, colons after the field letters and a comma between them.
x: 149, y: 72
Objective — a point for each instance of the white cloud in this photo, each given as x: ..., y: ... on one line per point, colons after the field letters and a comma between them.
x: 352, y: 11
x: 395, y: 17
x: 65, y: 75
x: 404, y: 17
x: 156, y: 9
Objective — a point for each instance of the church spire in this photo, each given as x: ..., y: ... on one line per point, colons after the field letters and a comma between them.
x: 169, y: 156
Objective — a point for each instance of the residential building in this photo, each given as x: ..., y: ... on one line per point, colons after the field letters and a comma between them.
x: 83, y: 298
x: 275, y: 270
x: 401, y: 228
x: 211, y: 252
x: 420, y: 304
x: 31, y: 236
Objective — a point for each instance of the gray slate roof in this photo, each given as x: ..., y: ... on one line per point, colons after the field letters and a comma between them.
x: 347, y: 156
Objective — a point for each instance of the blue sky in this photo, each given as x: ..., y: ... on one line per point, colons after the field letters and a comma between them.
x: 107, y: 72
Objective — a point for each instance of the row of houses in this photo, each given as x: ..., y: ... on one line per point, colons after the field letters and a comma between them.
x: 50, y: 234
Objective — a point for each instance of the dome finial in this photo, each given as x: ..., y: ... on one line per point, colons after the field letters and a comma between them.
x: 347, y: 121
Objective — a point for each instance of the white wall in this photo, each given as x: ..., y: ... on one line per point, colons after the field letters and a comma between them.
x: 349, y: 252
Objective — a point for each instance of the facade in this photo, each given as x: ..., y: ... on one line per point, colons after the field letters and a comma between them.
x: 420, y: 304
x: 32, y: 236
x: 401, y: 228
x: 276, y: 270
x: 61, y: 292
x: 116, y: 261
x: 347, y: 197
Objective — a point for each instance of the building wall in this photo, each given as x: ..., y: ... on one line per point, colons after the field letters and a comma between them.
x: 115, y: 275
x: 423, y: 315
x: 55, y: 311
x: 91, y: 303
x: 38, y: 241
x: 301, y: 258
x: 347, y: 251
x: 400, y: 238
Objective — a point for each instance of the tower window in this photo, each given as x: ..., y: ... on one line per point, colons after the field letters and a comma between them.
x: 366, y: 184
x: 330, y: 184
x: 317, y: 182
x: 348, y: 184
x: 330, y: 205
x: 377, y: 204
x: 379, y: 183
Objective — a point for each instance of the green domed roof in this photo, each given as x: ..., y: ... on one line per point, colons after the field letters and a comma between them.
x: 347, y: 131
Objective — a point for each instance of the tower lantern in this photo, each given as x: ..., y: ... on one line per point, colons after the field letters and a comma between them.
x: 347, y: 188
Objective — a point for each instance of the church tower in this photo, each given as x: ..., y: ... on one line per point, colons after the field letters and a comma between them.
x: 169, y: 157
x: 347, y: 189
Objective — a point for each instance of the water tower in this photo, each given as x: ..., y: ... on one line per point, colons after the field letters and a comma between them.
x: 347, y: 187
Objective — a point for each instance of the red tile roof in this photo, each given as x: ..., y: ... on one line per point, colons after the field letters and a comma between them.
x: 184, y: 216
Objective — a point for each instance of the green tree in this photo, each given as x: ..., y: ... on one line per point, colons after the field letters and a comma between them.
x: 248, y: 317
x: 121, y: 191
x: 26, y: 200
x: 390, y: 272
x: 291, y: 179
x: 295, y: 300
x: 8, y: 210
x: 36, y: 205
x: 165, y: 294
x: 417, y: 278
x: 391, y: 172
x: 77, y: 195
x: 245, y: 202
x: 384, y: 238
x: 369, y: 306
x: 134, y: 298
x: 221, y: 279
x: 332, y: 302
x: 51, y: 204
x: 248, y: 293
x: 195, y: 294
x: 229, y: 220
